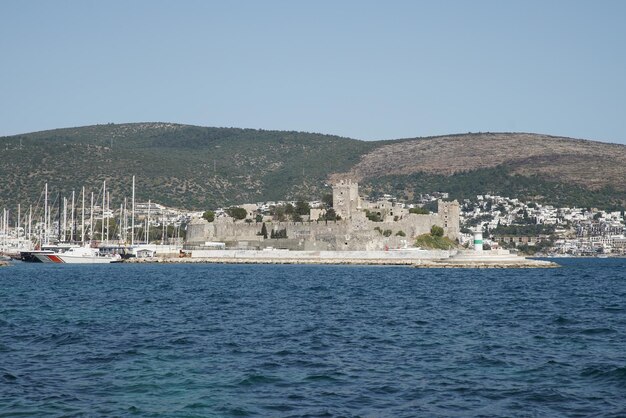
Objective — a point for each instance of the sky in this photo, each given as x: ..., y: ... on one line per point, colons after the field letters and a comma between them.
x: 362, y: 69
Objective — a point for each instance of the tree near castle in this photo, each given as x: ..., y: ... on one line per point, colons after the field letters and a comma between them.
x: 237, y: 213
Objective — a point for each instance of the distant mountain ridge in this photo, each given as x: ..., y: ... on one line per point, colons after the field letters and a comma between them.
x: 201, y: 167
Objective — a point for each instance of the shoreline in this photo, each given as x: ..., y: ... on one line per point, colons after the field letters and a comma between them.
x: 439, y: 264
x: 423, y: 259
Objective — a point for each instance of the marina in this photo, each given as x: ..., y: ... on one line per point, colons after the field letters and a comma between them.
x: 56, y: 230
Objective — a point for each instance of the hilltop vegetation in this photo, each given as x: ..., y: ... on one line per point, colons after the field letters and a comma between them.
x: 179, y: 165
x: 201, y: 168
x: 500, y: 181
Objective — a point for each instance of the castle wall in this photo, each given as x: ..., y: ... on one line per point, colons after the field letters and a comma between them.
x: 198, y: 231
x: 352, y: 233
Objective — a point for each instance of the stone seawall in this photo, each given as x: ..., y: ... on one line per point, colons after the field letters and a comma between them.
x: 417, y: 258
x: 323, y: 255
x: 393, y: 257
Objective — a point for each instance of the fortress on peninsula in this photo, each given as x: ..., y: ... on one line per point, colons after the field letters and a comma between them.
x: 354, y: 230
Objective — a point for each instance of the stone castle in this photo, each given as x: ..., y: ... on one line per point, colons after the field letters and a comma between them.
x: 354, y: 231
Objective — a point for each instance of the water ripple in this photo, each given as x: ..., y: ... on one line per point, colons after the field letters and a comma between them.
x: 296, y: 341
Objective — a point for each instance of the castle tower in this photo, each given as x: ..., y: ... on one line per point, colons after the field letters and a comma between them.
x: 449, y: 214
x: 346, y: 199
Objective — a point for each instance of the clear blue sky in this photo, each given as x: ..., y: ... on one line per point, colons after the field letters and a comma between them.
x: 362, y: 69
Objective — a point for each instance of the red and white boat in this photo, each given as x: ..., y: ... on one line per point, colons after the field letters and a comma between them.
x: 79, y: 255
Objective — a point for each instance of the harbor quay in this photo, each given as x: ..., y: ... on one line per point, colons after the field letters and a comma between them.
x: 415, y: 258
x: 278, y: 256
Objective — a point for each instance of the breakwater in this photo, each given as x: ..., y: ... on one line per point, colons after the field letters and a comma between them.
x: 392, y: 257
x: 417, y: 258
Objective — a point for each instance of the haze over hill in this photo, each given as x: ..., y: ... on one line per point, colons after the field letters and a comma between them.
x: 201, y: 167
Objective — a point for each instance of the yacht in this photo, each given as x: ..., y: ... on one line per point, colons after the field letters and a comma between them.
x: 79, y: 255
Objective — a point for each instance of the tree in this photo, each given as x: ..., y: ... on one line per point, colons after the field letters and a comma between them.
x: 237, y: 212
x: 436, y: 231
x: 278, y: 213
x: 209, y: 216
x: 258, y: 218
x: 264, y: 231
x: 281, y: 233
x: 327, y: 199
x: 419, y: 211
x: 302, y: 208
x: 373, y: 216
x: 331, y: 215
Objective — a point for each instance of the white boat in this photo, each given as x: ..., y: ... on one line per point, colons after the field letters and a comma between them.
x: 79, y: 255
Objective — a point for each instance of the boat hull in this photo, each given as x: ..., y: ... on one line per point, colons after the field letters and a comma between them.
x: 31, y: 256
x: 76, y: 259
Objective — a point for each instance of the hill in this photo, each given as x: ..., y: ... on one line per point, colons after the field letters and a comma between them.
x: 531, y: 166
x: 199, y: 167
x: 180, y: 165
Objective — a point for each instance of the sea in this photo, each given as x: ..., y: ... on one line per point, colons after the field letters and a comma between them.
x: 210, y: 340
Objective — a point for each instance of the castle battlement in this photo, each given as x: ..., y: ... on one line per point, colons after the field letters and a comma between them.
x: 398, y: 229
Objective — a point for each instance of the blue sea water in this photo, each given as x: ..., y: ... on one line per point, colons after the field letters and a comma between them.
x: 292, y: 341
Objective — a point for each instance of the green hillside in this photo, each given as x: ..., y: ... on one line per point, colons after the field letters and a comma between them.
x: 179, y: 165
x: 199, y: 167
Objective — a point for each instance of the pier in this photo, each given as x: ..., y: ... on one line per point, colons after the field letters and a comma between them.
x: 415, y: 258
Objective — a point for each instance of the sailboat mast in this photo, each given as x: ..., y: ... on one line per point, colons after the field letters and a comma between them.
x: 3, y: 229
x: 108, y: 211
x: 64, y: 220
x: 82, y: 227
x: 19, y: 218
x: 125, y: 221
x: 104, y: 193
x: 132, y: 222
x: 148, y: 224
x: 91, y: 219
x: 121, y: 220
x: 72, y: 226
x: 45, y: 215
x: 30, y: 221
x: 59, y: 218
x: 164, y: 230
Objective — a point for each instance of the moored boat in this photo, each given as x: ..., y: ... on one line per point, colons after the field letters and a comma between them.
x: 51, y: 249
x: 79, y: 255
x: 31, y: 256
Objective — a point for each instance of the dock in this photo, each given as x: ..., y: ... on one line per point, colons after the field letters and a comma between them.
x: 413, y: 258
